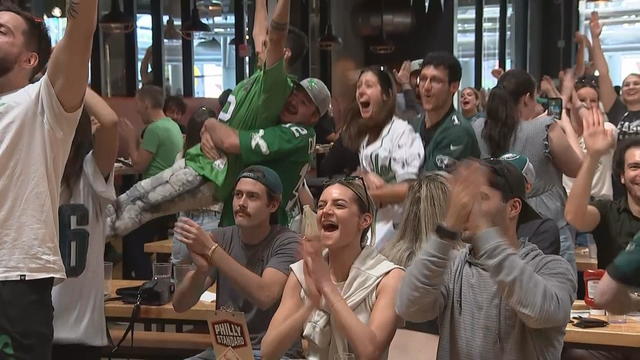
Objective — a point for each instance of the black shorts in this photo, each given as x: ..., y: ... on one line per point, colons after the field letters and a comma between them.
x: 26, y: 319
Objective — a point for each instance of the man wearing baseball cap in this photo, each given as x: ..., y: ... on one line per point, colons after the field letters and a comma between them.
x: 268, y: 119
x: 525, y: 295
x: 542, y: 232
x: 249, y: 261
x: 286, y: 148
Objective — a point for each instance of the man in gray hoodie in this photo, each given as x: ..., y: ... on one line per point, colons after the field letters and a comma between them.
x: 499, y: 298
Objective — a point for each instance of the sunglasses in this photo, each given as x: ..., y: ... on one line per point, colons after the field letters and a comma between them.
x: 348, y: 182
x: 590, y: 81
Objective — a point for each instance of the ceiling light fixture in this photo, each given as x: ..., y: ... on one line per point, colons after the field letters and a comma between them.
x: 194, y: 25
x: 116, y: 21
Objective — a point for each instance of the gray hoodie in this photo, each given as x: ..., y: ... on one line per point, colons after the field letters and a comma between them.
x: 493, y: 302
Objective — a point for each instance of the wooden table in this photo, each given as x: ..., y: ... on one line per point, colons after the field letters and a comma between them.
x: 627, y: 334
x: 158, y: 247
x: 119, y: 310
x: 584, y: 262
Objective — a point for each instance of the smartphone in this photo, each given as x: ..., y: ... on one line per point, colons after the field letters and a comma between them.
x: 555, y: 107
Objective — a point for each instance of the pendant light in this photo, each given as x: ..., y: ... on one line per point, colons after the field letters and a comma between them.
x: 382, y: 45
x: 329, y: 41
x: 194, y: 25
x: 116, y: 21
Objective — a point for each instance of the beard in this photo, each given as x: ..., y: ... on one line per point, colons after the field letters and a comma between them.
x: 7, y: 64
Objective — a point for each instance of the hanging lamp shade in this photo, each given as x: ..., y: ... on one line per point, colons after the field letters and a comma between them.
x: 116, y: 21
x: 329, y: 40
x: 382, y: 45
x: 213, y: 8
x: 209, y: 46
x: 194, y: 25
x: 170, y: 30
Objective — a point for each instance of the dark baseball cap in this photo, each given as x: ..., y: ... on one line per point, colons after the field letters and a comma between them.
x: 264, y: 176
x: 507, y: 179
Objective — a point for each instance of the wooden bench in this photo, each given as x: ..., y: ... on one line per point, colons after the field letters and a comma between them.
x: 158, y: 345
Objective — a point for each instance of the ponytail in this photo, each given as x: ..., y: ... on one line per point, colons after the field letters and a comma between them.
x: 501, y: 122
x: 502, y: 110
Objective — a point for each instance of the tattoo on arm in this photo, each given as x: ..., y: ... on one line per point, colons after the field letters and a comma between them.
x: 72, y: 8
x: 279, y: 26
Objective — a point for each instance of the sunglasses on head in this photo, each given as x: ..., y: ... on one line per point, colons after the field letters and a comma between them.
x: 348, y: 182
x: 590, y: 81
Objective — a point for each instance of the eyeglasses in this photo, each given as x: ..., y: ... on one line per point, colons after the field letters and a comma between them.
x: 348, y: 182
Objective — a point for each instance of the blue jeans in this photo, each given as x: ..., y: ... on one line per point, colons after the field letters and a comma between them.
x: 207, y: 219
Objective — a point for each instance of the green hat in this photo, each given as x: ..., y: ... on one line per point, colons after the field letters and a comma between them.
x: 264, y: 176
x: 521, y: 163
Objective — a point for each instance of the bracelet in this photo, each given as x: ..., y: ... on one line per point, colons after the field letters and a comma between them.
x: 212, y: 251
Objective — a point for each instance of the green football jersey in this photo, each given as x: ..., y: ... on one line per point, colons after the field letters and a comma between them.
x: 254, y: 103
x: 284, y: 148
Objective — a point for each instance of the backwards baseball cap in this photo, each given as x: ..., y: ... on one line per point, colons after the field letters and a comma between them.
x: 521, y: 163
x: 264, y: 176
x: 507, y: 179
x: 318, y: 92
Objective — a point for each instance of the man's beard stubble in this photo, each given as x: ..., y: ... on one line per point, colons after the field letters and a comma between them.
x: 7, y: 64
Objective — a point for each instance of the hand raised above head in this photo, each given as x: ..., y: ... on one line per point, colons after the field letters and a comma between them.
x: 597, y: 139
x: 404, y: 75
x: 594, y: 25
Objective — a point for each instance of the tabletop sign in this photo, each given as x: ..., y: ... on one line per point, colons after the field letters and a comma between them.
x: 230, y: 336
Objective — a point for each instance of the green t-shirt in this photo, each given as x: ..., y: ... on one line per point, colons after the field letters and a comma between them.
x: 286, y: 149
x: 254, y: 103
x: 164, y: 140
x: 626, y: 266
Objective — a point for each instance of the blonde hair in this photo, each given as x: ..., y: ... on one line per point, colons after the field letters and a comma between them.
x: 425, y: 207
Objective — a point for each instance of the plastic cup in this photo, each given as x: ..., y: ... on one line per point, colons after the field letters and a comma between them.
x: 180, y: 271
x: 593, y: 249
x: 108, y: 275
x: 616, y: 319
x: 161, y: 271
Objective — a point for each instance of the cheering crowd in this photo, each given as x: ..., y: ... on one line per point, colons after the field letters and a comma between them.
x: 459, y: 220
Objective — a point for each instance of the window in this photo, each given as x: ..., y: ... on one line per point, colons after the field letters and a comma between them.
x: 620, y: 34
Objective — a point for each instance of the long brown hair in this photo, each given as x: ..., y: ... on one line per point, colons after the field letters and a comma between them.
x: 355, y: 129
x: 194, y: 126
x: 81, y: 145
x: 502, y: 110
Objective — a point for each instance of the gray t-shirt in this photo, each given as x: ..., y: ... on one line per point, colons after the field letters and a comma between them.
x: 278, y: 250
x: 531, y: 139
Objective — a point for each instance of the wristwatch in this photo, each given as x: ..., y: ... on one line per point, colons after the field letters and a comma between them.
x: 444, y: 232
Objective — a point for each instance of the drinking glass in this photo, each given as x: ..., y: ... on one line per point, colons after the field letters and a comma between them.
x: 180, y: 271
x: 108, y: 274
x: 161, y: 271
